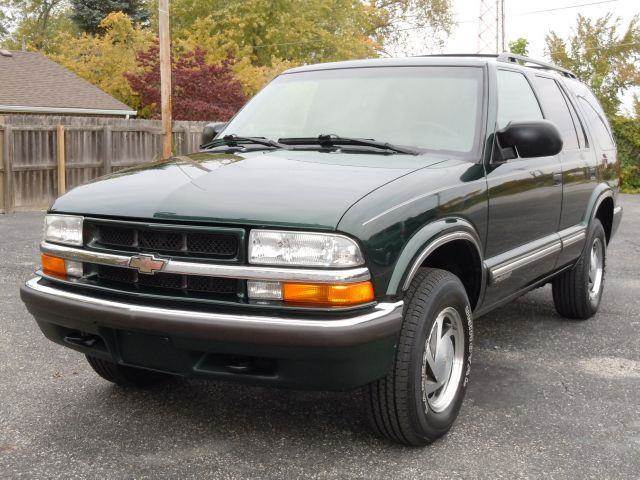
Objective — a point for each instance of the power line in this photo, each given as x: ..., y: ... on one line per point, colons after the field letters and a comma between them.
x: 568, y: 7
x: 533, y: 12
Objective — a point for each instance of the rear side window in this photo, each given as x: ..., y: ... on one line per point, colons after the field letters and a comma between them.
x: 577, y: 121
x: 516, y: 100
x: 557, y: 110
x: 597, y: 125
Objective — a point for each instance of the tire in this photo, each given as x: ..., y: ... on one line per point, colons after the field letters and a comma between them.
x: 125, y: 376
x: 577, y: 292
x: 399, y: 406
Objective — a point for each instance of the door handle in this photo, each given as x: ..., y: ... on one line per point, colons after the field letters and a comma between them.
x: 557, y: 179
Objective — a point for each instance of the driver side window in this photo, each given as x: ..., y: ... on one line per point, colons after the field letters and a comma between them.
x: 516, y: 100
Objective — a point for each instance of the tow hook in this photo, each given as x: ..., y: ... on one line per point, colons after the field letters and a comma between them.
x: 83, y: 340
x: 240, y: 365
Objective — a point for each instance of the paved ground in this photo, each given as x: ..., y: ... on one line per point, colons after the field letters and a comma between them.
x: 548, y: 398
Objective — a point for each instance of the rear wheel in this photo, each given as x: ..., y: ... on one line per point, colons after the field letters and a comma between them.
x: 419, y: 399
x: 125, y: 376
x: 577, y: 292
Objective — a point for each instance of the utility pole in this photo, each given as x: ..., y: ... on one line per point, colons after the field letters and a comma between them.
x: 165, y: 77
x: 502, y: 22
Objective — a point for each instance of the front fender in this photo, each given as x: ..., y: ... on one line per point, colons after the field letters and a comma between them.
x: 423, y: 243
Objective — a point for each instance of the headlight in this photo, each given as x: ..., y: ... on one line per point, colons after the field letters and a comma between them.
x: 65, y: 229
x: 272, y: 247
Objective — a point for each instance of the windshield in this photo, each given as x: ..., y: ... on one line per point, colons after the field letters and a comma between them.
x: 430, y: 108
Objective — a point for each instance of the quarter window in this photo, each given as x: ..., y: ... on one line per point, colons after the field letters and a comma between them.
x: 597, y: 125
x: 516, y: 100
x: 556, y: 110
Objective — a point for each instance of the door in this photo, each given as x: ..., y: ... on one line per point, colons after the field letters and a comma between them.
x: 525, y: 200
x: 577, y: 157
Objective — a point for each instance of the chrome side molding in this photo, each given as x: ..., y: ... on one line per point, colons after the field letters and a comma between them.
x: 503, y: 271
x: 575, y: 238
x: 564, y: 239
x: 243, y: 272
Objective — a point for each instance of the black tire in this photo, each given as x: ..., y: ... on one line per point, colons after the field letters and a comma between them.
x: 573, y: 296
x: 125, y: 376
x: 396, y: 406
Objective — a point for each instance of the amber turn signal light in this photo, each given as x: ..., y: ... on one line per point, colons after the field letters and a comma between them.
x: 328, y: 295
x: 53, y: 266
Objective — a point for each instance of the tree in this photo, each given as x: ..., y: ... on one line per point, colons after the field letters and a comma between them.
x: 268, y: 36
x: 200, y: 91
x: 5, y: 21
x: 304, y: 31
x: 87, y: 14
x: 35, y: 23
x: 519, y: 46
x: 601, y: 55
x: 103, y: 59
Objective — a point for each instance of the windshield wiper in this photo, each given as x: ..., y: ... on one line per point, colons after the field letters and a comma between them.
x: 331, y: 140
x: 236, y: 141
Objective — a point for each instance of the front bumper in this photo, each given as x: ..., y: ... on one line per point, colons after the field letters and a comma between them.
x: 298, y: 351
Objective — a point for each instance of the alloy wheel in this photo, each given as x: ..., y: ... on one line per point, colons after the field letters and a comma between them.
x: 596, y: 268
x: 443, y: 359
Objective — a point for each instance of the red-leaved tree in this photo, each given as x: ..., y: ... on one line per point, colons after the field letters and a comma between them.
x: 200, y: 91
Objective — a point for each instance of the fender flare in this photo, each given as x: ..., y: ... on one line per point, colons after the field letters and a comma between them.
x: 424, y: 242
x: 600, y: 193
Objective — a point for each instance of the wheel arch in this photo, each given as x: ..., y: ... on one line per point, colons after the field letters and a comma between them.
x: 601, y: 206
x: 451, y: 244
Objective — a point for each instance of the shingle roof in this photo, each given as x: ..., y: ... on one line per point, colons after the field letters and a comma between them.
x: 31, y: 80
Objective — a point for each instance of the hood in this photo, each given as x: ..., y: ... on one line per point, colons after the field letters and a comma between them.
x: 307, y: 189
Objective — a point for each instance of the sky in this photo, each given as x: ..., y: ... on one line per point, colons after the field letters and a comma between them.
x: 524, y: 18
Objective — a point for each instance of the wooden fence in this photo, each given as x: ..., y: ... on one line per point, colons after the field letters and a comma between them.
x: 41, y: 157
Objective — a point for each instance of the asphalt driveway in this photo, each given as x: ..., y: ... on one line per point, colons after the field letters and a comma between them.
x: 548, y: 398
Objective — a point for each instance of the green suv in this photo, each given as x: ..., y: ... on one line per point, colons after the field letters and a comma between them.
x: 343, y: 230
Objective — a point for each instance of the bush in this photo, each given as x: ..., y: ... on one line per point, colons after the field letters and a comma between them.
x: 200, y: 91
x: 627, y: 133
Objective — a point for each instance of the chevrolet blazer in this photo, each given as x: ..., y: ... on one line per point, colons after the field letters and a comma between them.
x: 343, y: 230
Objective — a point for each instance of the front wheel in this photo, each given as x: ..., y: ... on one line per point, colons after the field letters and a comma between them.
x: 419, y: 399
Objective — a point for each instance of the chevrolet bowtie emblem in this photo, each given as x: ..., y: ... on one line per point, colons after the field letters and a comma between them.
x: 146, y: 264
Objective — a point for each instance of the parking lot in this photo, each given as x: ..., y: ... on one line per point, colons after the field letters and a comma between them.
x: 548, y: 399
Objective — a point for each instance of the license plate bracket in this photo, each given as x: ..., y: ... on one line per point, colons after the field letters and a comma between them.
x: 151, y: 351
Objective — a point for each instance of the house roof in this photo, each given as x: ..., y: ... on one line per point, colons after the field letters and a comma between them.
x: 32, y: 83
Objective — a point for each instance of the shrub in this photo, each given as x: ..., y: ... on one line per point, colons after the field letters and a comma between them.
x: 627, y: 134
x: 200, y: 91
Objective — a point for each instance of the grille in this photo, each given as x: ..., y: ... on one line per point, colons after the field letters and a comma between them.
x: 129, y: 279
x: 172, y: 242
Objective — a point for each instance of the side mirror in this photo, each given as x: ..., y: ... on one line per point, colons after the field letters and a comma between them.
x: 211, y: 131
x: 535, y: 138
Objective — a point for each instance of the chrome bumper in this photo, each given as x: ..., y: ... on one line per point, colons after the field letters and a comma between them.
x: 55, y: 305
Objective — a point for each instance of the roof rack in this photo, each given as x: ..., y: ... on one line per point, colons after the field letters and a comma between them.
x: 480, y: 55
x: 510, y: 58
x: 515, y: 58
